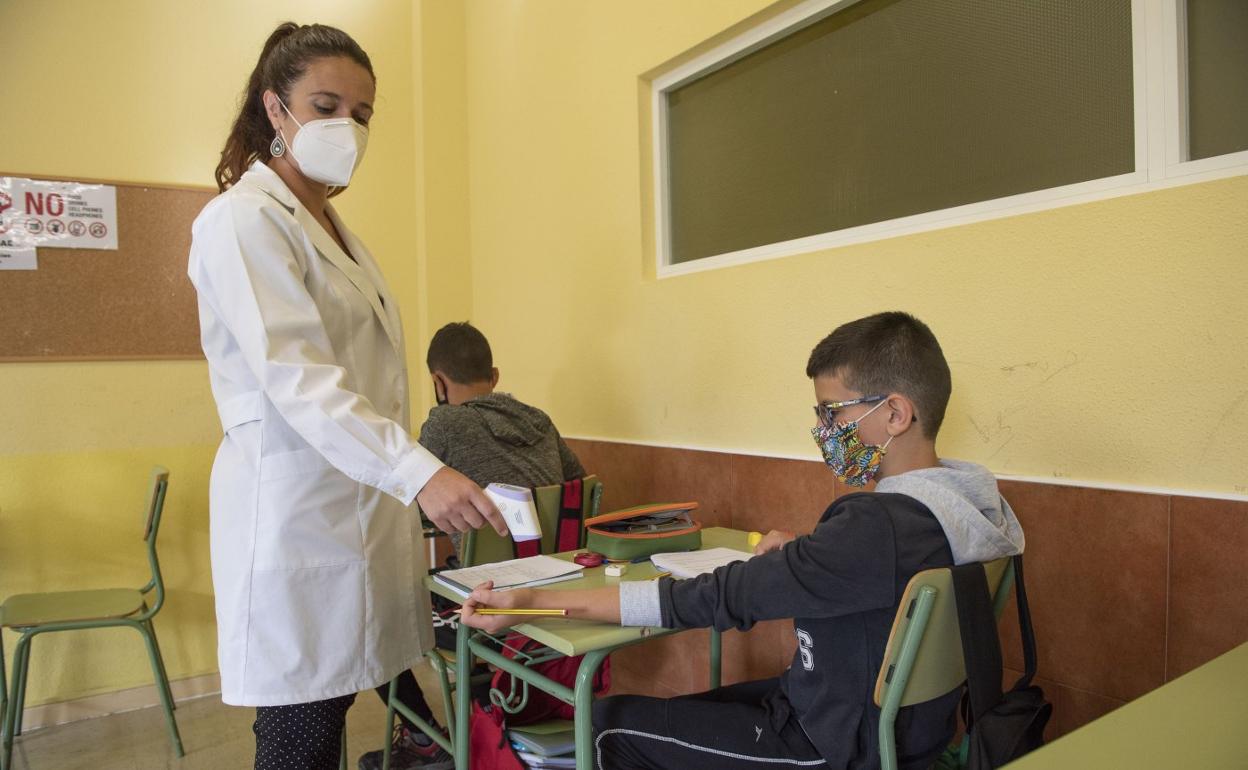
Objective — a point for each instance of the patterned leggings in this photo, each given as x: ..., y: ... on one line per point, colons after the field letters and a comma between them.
x: 303, y: 736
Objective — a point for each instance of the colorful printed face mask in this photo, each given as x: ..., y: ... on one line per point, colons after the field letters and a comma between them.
x: 853, y: 462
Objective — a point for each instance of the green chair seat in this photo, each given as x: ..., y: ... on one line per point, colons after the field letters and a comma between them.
x: 24, y: 610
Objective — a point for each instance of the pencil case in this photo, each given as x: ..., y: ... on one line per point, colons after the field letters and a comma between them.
x: 638, y: 532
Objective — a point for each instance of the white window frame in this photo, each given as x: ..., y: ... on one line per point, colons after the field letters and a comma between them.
x: 1159, y: 64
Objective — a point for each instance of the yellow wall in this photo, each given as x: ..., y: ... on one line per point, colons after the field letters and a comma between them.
x: 505, y: 182
x: 1096, y: 343
x: 144, y: 91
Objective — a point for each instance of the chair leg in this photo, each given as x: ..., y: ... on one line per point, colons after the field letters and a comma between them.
x: 342, y: 754
x: 160, y: 658
x: 389, y: 739
x: 4, y: 685
x: 14, y: 704
x: 20, y: 675
x: 162, y: 686
x: 444, y: 680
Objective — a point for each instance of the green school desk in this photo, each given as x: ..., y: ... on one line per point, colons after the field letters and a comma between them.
x: 1199, y: 720
x: 572, y: 637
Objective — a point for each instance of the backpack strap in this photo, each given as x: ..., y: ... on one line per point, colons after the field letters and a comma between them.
x: 526, y: 548
x: 571, y: 511
x: 1024, y: 626
x: 981, y: 649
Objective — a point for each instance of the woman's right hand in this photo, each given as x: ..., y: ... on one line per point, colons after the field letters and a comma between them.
x: 454, y: 504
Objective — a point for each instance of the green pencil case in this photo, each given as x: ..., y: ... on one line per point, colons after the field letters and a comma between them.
x: 635, y: 533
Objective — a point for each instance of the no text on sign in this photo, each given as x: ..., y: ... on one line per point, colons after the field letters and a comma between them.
x: 70, y: 215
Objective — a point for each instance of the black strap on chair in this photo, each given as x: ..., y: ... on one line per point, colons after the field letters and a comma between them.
x: 1001, y: 726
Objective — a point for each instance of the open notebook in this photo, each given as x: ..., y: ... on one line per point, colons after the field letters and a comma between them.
x: 687, y: 564
x: 513, y: 573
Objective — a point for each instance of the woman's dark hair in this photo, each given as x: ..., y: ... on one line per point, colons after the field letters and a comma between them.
x: 284, y: 59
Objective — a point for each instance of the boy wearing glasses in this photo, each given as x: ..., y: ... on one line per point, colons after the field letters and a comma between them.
x: 881, y: 386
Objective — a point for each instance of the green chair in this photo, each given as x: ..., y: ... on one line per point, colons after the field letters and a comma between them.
x: 34, y: 614
x: 482, y: 547
x: 923, y: 658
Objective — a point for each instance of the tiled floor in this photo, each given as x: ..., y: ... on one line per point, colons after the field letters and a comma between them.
x: 214, y: 735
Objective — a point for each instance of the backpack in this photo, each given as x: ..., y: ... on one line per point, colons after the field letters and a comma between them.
x: 1000, y: 727
x: 541, y: 705
x: 488, y: 745
x: 490, y: 748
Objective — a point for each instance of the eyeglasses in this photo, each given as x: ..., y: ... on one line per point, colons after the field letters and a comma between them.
x: 826, y: 412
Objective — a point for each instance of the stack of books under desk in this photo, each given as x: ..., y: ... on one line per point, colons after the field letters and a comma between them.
x: 549, y: 744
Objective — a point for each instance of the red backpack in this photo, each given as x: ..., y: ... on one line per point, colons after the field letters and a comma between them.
x: 541, y: 705
x: 488, y: 747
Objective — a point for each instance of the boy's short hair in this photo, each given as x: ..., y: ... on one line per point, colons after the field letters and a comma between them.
x: 462, y: 353
x: 888, y: 353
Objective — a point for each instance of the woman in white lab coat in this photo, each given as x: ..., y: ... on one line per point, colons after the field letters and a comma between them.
x: 316, y: 551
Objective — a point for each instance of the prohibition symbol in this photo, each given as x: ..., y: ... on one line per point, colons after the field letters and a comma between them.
x: 99, y: 229
x: 34, y: 226
x: 55, y: 227
x: 77, y: 228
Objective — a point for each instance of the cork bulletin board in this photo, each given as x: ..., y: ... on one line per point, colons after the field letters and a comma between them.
x: 132, y: 303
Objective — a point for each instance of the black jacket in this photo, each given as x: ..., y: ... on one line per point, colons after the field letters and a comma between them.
x: 841, y: 585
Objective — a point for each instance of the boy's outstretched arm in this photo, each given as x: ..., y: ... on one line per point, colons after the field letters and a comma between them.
x: 600, y: 604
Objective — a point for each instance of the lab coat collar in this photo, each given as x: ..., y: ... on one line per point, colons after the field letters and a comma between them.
x: 267, y: 180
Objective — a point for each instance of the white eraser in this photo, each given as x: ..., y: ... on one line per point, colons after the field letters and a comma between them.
x: 616, y: 570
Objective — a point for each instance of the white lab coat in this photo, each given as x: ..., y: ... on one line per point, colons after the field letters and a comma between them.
x: 316, y: 548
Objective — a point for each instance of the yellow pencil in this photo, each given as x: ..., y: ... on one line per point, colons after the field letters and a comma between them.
x: 495, y: 611
x: 660, y: 575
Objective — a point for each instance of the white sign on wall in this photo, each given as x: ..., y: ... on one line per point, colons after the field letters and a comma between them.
x: 65, y: 215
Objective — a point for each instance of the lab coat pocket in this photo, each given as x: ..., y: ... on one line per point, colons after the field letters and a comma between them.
x: 306, y: 630
x: 308, y: 513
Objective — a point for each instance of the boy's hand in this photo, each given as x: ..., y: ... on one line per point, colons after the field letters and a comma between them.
x: 484, y: 596
x: 454, y: 504
x: 773, y: 541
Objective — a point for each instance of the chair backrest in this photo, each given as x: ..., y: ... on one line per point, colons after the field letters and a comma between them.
x: 923, y: 658
x: 158, y: 486
x: 924, y: 653
x: 155, y: 502
x: 485, y: 545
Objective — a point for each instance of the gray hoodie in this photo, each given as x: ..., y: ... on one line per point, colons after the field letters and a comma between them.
x: 964, y: 498
x: 497, y: 438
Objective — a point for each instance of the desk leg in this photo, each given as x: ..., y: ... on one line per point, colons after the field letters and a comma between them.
x: 463, y: 695
x: 584, y: 695
x: 717, y: 654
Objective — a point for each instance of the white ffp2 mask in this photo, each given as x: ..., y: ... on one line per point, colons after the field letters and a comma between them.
x: 328, y: 150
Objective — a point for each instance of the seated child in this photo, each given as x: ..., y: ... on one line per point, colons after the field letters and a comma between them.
x: 488, y: 437
x: 881, y: 386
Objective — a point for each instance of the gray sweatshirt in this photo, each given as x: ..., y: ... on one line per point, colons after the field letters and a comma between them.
x: 963, y: 496
x: 497, y: 438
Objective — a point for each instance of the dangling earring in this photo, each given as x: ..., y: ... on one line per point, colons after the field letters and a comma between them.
x: 277, y: 148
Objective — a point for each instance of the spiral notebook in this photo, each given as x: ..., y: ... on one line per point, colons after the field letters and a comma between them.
x: 513, y: 573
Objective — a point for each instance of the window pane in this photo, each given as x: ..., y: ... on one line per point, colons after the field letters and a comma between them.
x: 1217, y: 77
x: 896, y: 107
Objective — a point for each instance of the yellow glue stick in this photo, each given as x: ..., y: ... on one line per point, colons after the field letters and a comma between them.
x: 753, y: 539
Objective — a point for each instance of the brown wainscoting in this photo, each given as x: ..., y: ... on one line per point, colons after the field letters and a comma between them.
x: 1128, y: 590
